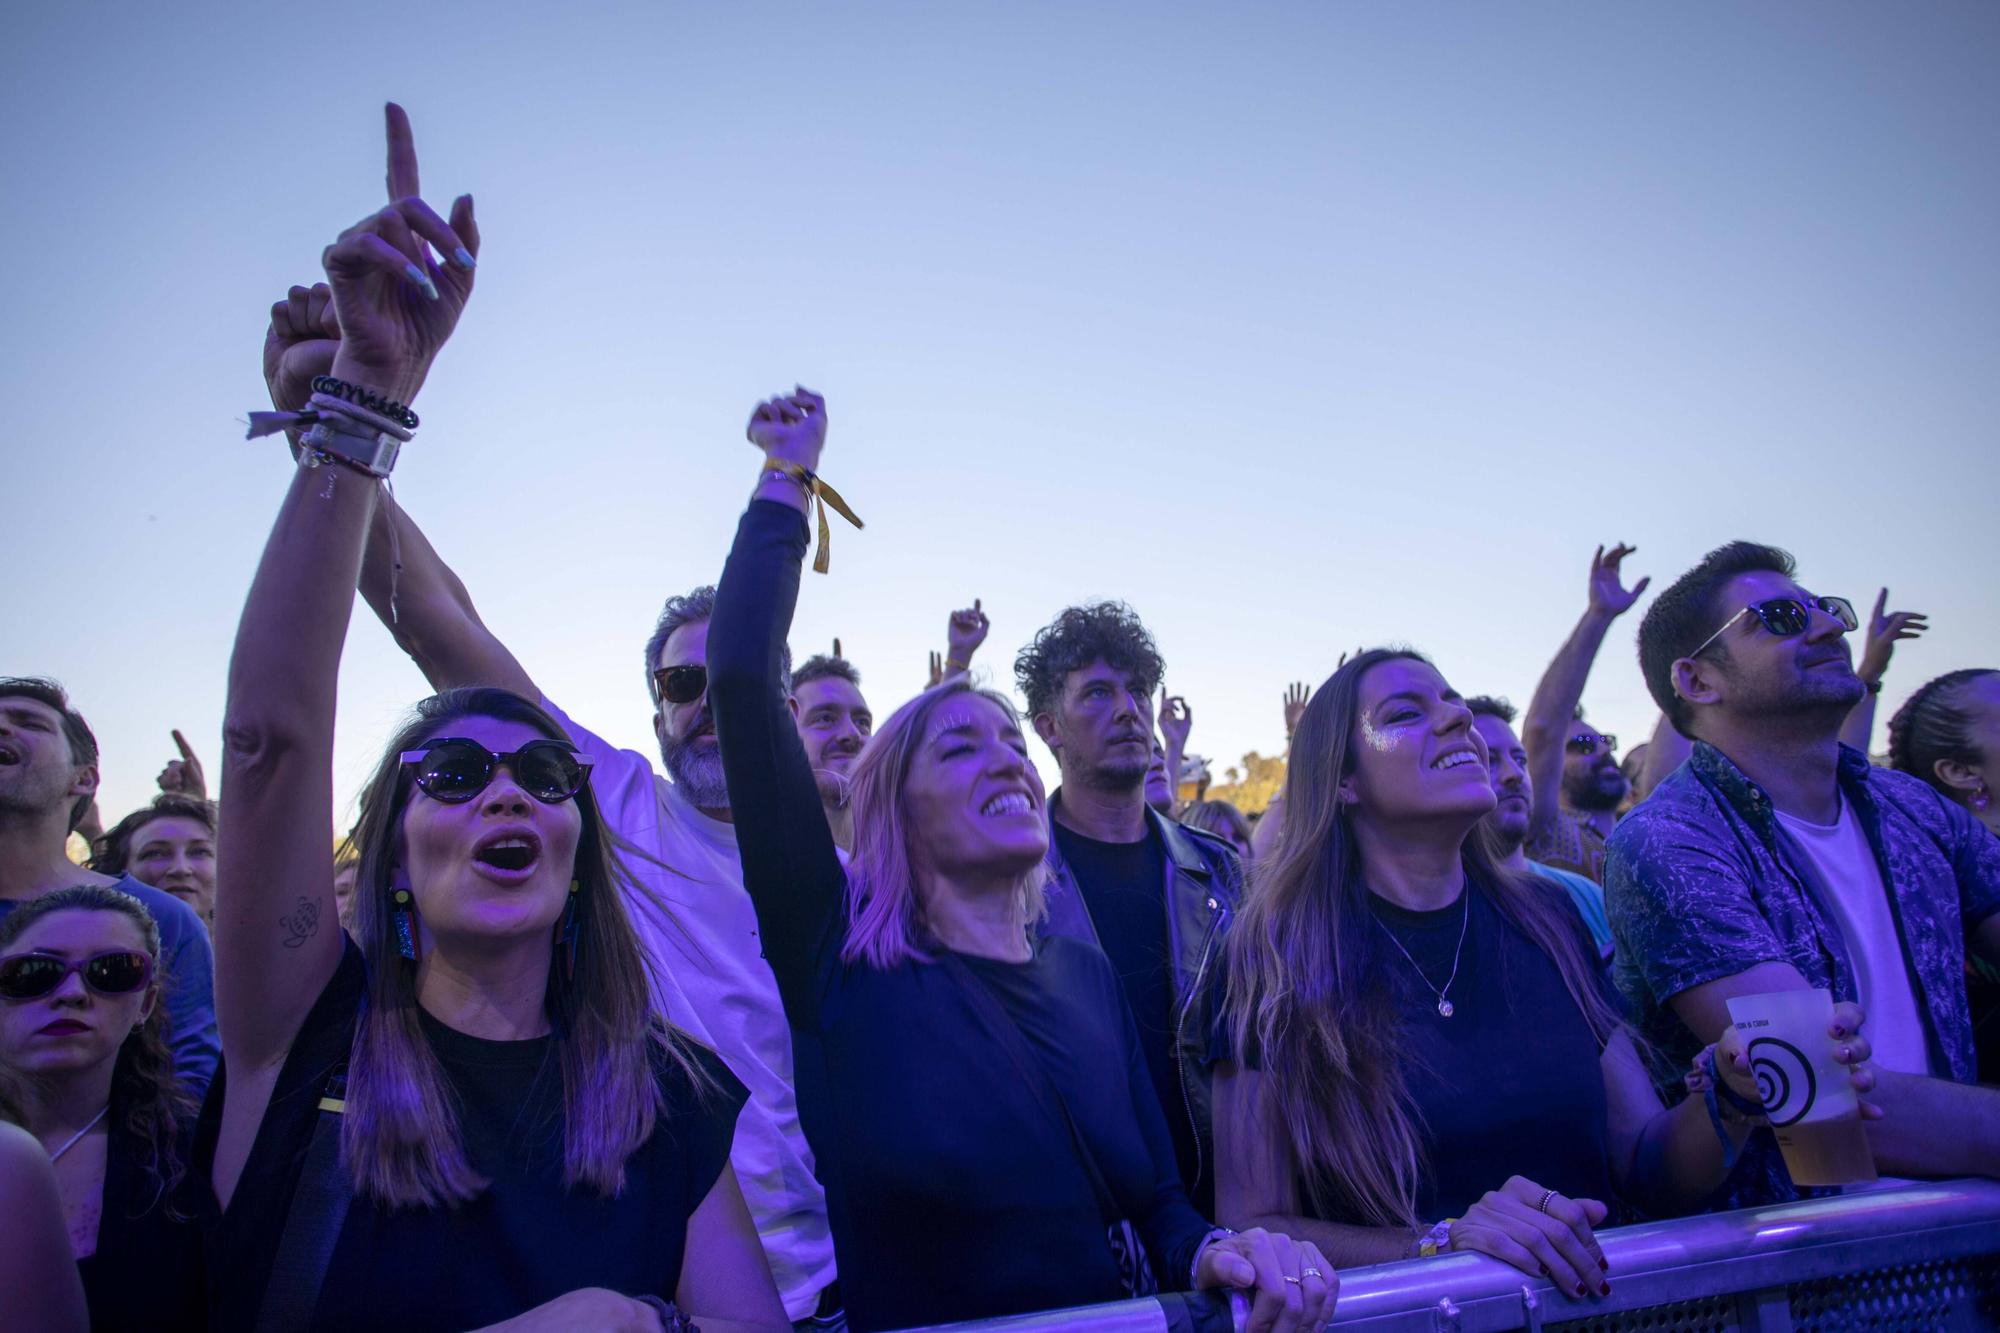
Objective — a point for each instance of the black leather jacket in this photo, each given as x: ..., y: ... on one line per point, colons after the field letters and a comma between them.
x: 1204, y: 880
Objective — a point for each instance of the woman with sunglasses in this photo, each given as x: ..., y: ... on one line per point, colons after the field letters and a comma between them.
x: 1420, y: 1053
x: 81, y: 1023
x: 976, y: 1099
x: 469, y: 1115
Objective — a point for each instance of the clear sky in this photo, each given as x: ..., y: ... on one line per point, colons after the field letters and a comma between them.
x: 1297, y: 326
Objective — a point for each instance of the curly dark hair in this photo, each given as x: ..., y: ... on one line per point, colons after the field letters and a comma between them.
x: 1933, y: 724
x: 1685, y: 614
x: 111, y: 854
x: 1108, y: 632
x: 152, y: 1104
x: 1487, y: 705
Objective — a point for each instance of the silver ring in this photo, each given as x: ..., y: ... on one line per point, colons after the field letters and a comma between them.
x: 1543, y: 1206
x: 1310, y: 1272
x: 1289, y: 1278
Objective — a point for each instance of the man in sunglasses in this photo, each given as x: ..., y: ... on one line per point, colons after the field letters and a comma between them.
x: 1776, y: 858
x: 1572, y: 766
x: 715, y: 983
x: 48, y: 777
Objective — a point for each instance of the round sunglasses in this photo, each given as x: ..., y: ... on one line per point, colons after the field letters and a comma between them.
x: 29, y: 976
x: 455, y: 770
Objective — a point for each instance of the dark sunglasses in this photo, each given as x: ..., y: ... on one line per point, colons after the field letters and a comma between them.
x: 681, y: 684
x: 455, y: 770
x: 1585, y: 743
x: 1788, y: 617
x: 29, y: 976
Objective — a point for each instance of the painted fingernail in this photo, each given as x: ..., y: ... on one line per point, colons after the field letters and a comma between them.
x: 464, y: 258
x: 1847, y: 1055
x: 1545, y: 1270
x: 1604, y: 1290
x: 1582, y: 1290
x: 422, y: 280
x: 1839, y: 1031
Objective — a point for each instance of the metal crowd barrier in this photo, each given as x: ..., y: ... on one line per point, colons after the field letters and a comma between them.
x: 1915, y: 1258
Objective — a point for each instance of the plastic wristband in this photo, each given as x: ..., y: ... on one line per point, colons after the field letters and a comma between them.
x: 1435, y: 1241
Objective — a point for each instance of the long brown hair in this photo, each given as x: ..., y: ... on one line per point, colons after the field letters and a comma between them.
x: 1305, y: 988
x: 152, y: 1105
x: 400, y: 1136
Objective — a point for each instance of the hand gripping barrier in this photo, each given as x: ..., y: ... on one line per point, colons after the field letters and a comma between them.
x: 1910, y: 1259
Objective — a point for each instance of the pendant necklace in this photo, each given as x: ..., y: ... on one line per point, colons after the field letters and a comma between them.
x: 1465, y: 918
x: 71, y: 1142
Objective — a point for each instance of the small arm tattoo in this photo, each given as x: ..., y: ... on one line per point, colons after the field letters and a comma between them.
x: 302, y: 924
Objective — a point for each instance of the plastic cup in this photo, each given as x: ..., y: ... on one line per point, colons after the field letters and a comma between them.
x: 1806, y: 1093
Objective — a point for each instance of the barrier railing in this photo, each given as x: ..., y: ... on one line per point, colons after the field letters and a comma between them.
x: 1919, y: 1257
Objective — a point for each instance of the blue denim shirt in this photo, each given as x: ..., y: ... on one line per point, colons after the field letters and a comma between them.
x: 1699, y: 885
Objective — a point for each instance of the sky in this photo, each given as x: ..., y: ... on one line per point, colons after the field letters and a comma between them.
x: 1297, y: 327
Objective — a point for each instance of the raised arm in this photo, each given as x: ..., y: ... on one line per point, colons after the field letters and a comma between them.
x: 790, y: 867
x: 276, y: 940
x: 963, y: 634
x: 1886, y: 628
x: 1546, y: 726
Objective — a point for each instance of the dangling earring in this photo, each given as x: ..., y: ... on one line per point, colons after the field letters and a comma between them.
x: 405, y: 912
x: 566, y: 934
x: 1981, y: 799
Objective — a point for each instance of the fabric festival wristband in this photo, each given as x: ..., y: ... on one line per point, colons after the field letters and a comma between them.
x: 821, y: 496
x: 1435, y: 1241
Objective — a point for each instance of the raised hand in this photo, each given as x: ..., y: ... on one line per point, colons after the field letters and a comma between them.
x: 1296, y: 695
x: 299, y: 345
x: 963, y: 634
x: 1885, y: 630
x: 1176, y: 720
x: 394, y: 304
x: 937, y: 669
x: 184, y: 776
x: 791, y: 427
x: 1607, y: 591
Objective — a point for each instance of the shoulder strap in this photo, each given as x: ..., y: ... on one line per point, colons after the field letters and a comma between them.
x: 312, y: 1223
x: 1034, y: 1074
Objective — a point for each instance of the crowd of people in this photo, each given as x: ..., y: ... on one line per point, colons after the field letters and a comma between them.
x: 820, y: 1021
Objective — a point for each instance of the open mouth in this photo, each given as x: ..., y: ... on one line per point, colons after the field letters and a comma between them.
x: 8, y: 754
x: 1008, y: 803
x: 1455, y: 759
x: 510, y: 853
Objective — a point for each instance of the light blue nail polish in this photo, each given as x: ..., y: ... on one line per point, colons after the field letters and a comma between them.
x: 464, y: 258
x: 422, y: 279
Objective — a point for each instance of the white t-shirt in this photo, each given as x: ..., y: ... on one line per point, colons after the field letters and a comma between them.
x: 716, y: 986
x: 1859, y: 904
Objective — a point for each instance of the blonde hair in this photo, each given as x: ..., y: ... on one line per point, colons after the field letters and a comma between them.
x: 400, y: 1137
x: 886, y: 923
x: 1305, y: 985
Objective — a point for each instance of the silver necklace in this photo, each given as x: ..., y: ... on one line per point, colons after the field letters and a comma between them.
x: 1465, y: 918
x: 71, y: 1141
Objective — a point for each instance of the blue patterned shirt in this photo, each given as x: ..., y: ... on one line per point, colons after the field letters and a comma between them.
x: 1699, y: 886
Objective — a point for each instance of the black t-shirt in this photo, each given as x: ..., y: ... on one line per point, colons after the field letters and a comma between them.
x: 1124, y: 888
x: 526, y: 1239
x: 146, y: 1273
x: 1511, y: 1084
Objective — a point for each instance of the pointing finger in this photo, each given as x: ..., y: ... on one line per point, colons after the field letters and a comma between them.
x: 402, y: 153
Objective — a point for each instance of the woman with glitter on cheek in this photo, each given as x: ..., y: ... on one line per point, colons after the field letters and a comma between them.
x: 1419, y: 1052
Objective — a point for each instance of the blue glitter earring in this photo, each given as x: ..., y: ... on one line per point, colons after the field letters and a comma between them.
x: 405, y: 912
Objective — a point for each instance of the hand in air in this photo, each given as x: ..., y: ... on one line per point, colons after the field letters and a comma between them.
x: 1290, y: 1284
x: 1850, y: 1049
x: 937, y: 669
x: 791, y: 427
x: 394, y: 304
x: 1607, y: 590
x: 183, y: 776
x: 964, y: 633
x: 1176, y: 721
x: 1538, y: 1231
x: 1296, y: 695
x: 1885, y: 629
x: 299, y: 345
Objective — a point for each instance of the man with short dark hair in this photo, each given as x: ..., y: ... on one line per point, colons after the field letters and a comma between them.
x: 1507, y: 766
x: 1776, y: 858
x: 1154, y: 894
x: 834, y: 722
x: 1572, y: 767
x: 48, y: 778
